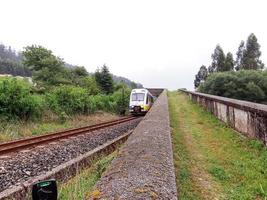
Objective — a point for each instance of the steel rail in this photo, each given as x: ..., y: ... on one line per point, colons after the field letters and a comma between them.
x: 37, y: 140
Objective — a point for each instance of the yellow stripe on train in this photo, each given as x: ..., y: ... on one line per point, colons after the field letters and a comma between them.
x: 146, y: 107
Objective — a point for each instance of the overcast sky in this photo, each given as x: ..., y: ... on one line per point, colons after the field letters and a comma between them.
x: 157, y: 43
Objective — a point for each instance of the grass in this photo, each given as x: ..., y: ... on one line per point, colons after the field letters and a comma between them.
x: 81, y: 186
x: 212, y: 161
x: 10, y: 130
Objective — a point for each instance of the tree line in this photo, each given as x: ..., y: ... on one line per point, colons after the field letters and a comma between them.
x: 226, y: 77
x: 10, y: 62
x: 247, y: 58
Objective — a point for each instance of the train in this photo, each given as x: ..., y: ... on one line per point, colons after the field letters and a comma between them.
x: 141, y: 100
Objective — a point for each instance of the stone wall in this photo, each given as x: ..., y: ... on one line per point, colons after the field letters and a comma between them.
x: 245, y: 117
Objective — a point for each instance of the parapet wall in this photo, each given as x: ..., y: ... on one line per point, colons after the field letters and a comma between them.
x: 246, y: 117
x: 144, y: 167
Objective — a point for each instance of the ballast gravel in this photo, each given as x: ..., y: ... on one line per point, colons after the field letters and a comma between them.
x: 18, y: 167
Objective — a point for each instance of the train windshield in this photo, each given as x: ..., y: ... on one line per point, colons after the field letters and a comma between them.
x: 138, y: 97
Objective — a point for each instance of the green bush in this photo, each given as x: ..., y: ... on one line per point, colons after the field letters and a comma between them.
x: 69, y: 99
x: 121, y: 97
x: 17, y: 102
x: 249, y: 85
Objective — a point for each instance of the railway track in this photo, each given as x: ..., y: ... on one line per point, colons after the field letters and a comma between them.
x: 17, y: 145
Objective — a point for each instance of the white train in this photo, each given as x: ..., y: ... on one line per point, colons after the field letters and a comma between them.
x: 141, y: 101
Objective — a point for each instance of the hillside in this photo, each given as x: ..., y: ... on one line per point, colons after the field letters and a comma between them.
x: 127, y: 81
x: 11, y: 63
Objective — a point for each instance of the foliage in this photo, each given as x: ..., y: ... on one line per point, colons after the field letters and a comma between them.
x: 38, y: 57
x: 218, y: 59
x: 74, y: 100
x: 220, y: 62
x: 122, y: 97
x: 16, y: 100
x: 89, y: 83
x: 229, y: 62
x: 61, y: 88
x: 70, y: 99
x: 104, y: 80
x: 47, y: 69
x: 201, y: 76
x: 247, y: 85
x: 249, y: 56
x: 239, y: 56
x: 77, y: 74
x: 10, y: 62
x: 240, y: 85
x: 81, y: 186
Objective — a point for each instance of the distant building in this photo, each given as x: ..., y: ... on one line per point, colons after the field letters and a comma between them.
x: 5, y: 75
x: 29, y: 79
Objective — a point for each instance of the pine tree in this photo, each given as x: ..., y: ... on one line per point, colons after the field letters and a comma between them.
x: 229, y: 62
x: 218, y: 60
x: 239, y: 56
x: 252, y: 54
x: 104, y: 80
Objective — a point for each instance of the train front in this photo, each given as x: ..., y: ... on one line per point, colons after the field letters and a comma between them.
x: 139, y: 101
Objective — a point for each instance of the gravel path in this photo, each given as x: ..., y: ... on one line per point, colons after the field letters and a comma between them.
x: 18, y: 167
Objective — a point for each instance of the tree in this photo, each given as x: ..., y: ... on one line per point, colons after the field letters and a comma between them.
x: 80, y: 72
x: 133, y: 85
x: 229, y: 62
x: 218, y: 60
x: 78, y: 75
x: 252, y: 53
x: 46, y: 67
x: 10, y: 62
x: 104, y: 80
x: 247, y: 85
x: 201, y: 76
x: 38, y: 57
x: 239, y: 56
x: 89, y: 83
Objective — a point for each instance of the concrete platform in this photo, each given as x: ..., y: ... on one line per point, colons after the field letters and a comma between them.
x: 144, y: 167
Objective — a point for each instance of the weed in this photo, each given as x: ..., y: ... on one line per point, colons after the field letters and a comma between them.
x: 81, y: 186
x: 219, y: 173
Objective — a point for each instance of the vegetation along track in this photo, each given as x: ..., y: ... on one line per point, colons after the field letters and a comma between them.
x: 33, y: 141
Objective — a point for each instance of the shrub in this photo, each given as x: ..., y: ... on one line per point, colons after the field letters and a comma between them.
x: 121, y: 97
x: 68, y: 99
x: 16, y: 100
x: 250, y: 85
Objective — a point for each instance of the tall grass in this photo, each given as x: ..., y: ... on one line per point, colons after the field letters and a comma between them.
x: 82, y: 184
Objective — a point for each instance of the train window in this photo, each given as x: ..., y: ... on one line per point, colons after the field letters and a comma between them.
x: 138, y: 96
x: 147, y: 96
